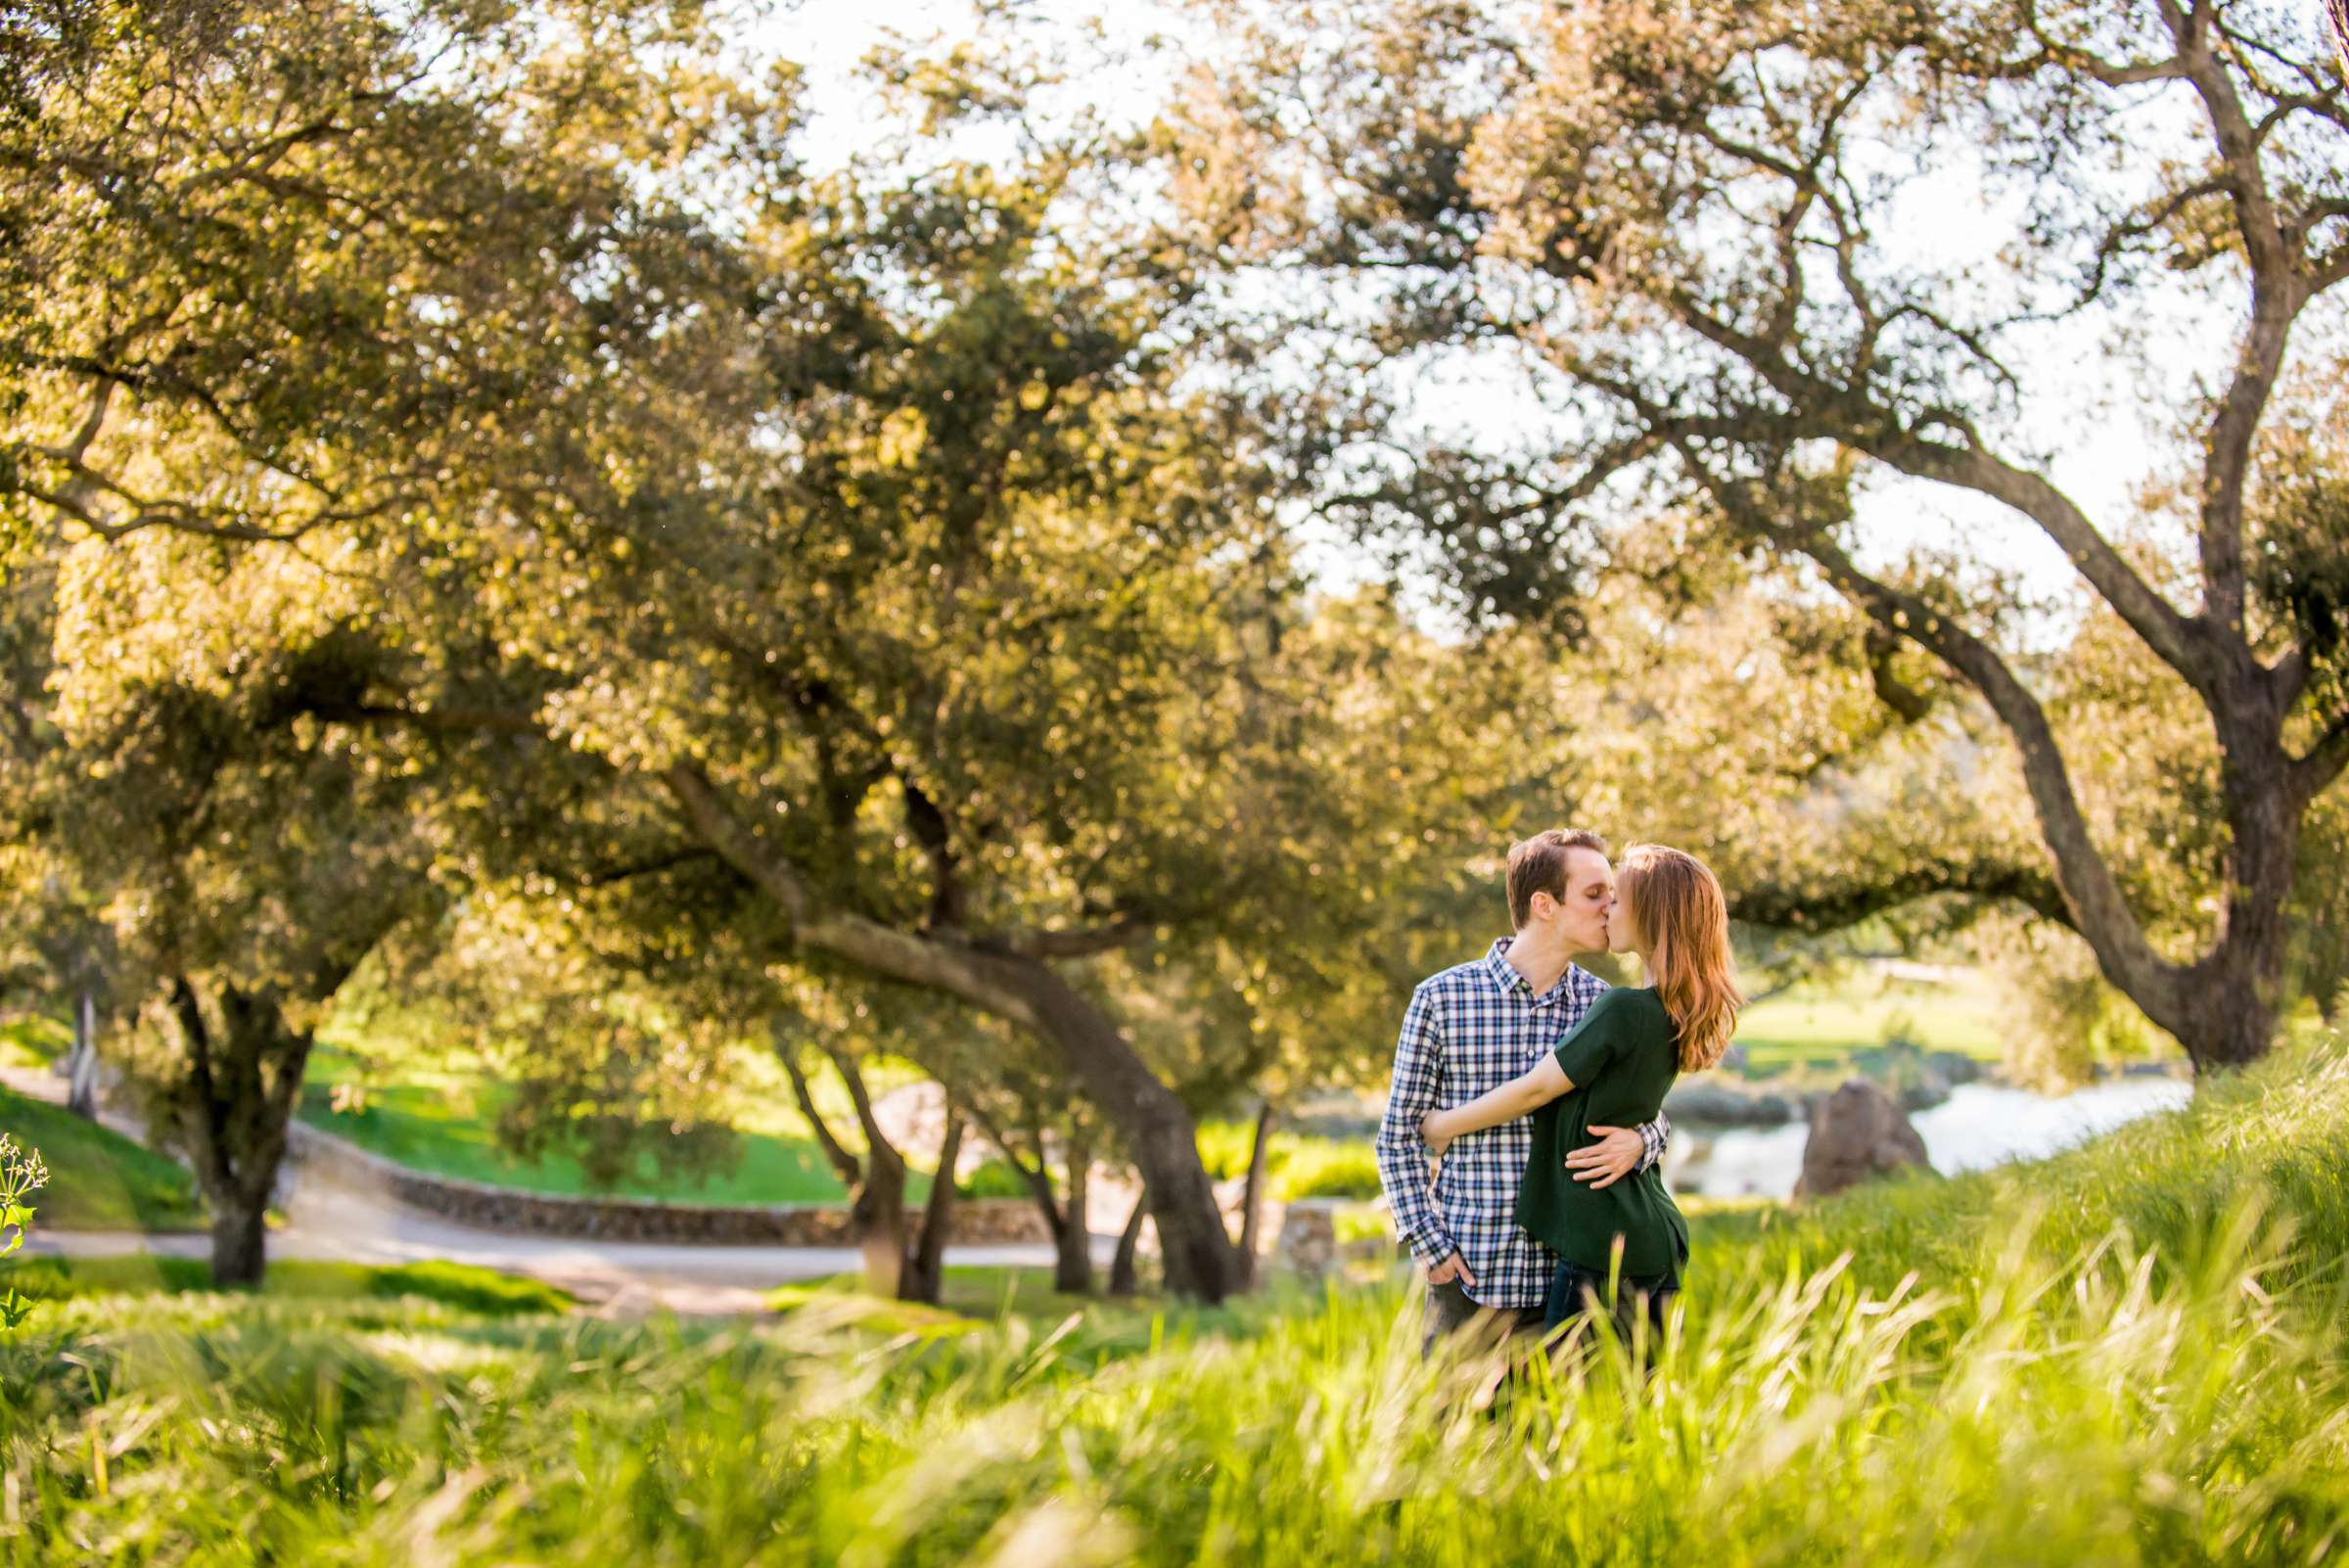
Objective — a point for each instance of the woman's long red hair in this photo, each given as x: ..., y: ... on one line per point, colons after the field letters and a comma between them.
x: 1677, y: 904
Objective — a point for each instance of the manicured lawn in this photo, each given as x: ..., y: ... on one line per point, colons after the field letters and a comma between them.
x: 1809, y: 1023
x: 1096, y: 1327
x: 32, y: 1041
x: 98, y: 1179
x: 438, y: 1115
x: 1296, y: 1165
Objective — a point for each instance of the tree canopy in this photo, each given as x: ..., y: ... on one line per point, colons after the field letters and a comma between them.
x: 1693, y: 235
x: 857, y: 573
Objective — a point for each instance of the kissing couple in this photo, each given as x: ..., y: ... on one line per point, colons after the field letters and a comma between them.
x: 1541, y: 1087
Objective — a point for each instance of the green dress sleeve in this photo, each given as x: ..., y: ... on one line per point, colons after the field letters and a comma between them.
x: 1593, y: 1042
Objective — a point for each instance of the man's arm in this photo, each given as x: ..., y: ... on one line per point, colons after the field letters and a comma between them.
x: 1402, y: 1154
x: 1520, y: 1095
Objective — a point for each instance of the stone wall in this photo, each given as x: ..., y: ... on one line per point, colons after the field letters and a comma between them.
x: 323, y: 1157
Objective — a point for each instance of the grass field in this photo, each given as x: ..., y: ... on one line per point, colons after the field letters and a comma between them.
x: 99, y: 1179
x: 2137, y: 1353
x: 436, y: 1113
x: 32, y: 1041
x: 1818, y: 1024
x: 976, y: 1301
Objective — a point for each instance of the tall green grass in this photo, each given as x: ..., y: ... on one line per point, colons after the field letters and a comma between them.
x: 462, y: 1286
x: 2135, y: 1353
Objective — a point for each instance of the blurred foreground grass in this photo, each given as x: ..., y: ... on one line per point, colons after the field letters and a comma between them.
x: 2134, y: 1353
x: 295, y: 1279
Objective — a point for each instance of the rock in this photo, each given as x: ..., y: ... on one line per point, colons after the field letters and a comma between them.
x: 1956, y: 1067
x: 1923, y: 1091
x: 1858, y: 1132
x: 1723, y: 1102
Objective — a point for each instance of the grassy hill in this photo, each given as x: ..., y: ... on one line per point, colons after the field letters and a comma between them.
x: 98, y: 1178
x: 435, y: 1111
x: 1967, y: 1011
x: 2133, y: 1354
x: 32, y: 1041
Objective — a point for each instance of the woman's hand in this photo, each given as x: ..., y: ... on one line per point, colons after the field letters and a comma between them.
x: 1437, y: 1140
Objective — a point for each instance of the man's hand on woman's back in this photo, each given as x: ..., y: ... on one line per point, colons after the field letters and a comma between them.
x: 1616, y: 1155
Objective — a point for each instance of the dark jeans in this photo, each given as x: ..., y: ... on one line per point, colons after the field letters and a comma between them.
x: 1452, y: 1311
x: 1575, y: 1291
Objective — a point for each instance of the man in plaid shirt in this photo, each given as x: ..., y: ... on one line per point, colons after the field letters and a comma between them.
x: 1471, y: 1029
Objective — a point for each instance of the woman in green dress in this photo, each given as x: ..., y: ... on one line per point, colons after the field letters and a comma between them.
x: 1623, y: 1243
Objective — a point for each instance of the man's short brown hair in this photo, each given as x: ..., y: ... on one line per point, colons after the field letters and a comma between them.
x: 1538, y: 865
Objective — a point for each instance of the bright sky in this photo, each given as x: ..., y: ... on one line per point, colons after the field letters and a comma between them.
x: 2098, y: 437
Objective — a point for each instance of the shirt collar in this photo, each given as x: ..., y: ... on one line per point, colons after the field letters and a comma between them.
x: 1513, y: 984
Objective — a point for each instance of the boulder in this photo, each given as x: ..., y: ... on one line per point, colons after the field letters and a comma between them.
x: 1858, y: 1132
x: 1727, y: 1102
x: 1955, y: 1066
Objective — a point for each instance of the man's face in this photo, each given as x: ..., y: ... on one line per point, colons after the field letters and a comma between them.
x: 1590, y: 901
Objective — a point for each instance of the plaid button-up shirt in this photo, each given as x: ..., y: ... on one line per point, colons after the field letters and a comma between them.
x: 1468, y: 1030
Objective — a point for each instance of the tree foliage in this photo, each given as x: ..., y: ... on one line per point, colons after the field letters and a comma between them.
x: 1694, y: 233
x: 856, y: 578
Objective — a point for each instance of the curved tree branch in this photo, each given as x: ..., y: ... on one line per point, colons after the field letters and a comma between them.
x: 845, y: 1165
x: 1814, y: 909
x: 2315, y: 772
x: 2092, y: 896
x: 1082, y: 943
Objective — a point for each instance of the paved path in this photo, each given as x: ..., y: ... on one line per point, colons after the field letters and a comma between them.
x: 615, y: 1277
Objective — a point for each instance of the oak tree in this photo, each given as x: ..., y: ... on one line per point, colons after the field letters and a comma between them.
x: 1690, y: 235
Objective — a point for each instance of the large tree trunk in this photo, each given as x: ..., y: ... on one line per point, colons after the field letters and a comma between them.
x: 231, y: 1111
x: 877, y: 1221
x: 925, y: 1276
x: 2222, y: 1007
x: 876, y: 1183
x: 2225, y: 1007
x: 1199, y: 1258
x: 240, y: 1249
x: 1073, y: 1237
x: 1010, y: 982
x: 1252, y: 1196
x: 1123, y: 1265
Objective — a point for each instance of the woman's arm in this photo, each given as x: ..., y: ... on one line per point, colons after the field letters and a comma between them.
x: 1520, y: 1095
